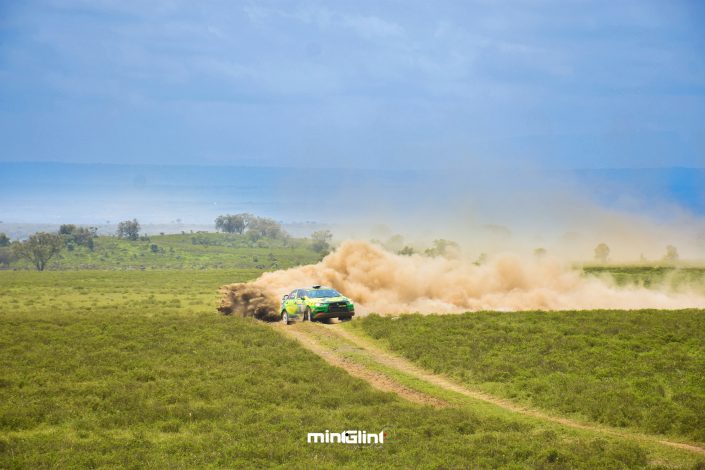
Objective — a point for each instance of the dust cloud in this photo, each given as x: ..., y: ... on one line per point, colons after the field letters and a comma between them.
x: 383, y: 282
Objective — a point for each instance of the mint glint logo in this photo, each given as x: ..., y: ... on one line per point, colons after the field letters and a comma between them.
x: 346, y: 437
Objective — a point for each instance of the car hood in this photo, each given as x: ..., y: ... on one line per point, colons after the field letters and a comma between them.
x: 331, y: 299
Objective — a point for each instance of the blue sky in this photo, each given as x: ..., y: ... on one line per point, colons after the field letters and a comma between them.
x: 451, y: 84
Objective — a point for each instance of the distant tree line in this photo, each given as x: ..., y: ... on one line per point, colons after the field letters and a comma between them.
x: 602, y: 254
x: 439, y: 247
x: 41, y: 247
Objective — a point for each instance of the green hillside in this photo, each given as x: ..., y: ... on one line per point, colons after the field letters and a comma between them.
x: 665, y: 276
x: 184, y: 251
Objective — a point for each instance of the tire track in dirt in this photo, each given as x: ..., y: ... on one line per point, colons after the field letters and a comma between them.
x: 376, y: 379
x: 305, y: 334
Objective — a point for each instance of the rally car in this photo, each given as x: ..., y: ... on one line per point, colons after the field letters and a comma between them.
x: 316, y: 303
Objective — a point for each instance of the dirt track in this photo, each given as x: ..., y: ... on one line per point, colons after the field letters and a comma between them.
x: 376, y: 379
x: 367, y: 361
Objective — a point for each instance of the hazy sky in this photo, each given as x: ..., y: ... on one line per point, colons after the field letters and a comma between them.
x: 371, y: 84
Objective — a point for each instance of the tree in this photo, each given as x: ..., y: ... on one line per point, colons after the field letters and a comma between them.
x: 80, y: 236
x: 67, y: 229
x: 602, y: 252
x: 39, y: 248
x: 6, y: 256
x: 253, y: 226
x: 321, y: 241
x: 395, y: 243
x: 84, y: 236
x: 259, y: 227
x: 671, y: 253
x: 129, y: 229
x: 230, y: 223
x: 443, y: 247
x: 406, y: 251
x: 4, y: 241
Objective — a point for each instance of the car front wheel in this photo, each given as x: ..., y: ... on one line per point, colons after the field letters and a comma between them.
x: 285, y: 318
x: 307, y: 315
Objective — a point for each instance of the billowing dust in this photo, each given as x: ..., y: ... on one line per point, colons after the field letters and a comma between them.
x: 383, y: 282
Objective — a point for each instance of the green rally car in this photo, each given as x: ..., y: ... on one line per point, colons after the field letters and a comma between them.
x: 316, y: 303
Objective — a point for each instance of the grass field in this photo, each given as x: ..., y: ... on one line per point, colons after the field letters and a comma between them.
x: 666, y: 276
x: 637, y: 369
x: 184, y: 251
x: 135, y: 369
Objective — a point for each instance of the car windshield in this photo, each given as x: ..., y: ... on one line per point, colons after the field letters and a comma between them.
x: 321, y: 293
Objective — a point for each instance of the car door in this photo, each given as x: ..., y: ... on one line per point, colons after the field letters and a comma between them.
x: 291, y: 305
x: 300, y: 294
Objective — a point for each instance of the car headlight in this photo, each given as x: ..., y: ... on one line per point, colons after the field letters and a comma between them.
x: 318, y: 304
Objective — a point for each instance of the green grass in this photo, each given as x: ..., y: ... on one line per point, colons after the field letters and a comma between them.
x: 635, y: 369
x: 184, y: 251
x: 668, y: 276
x: 135, y: 369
